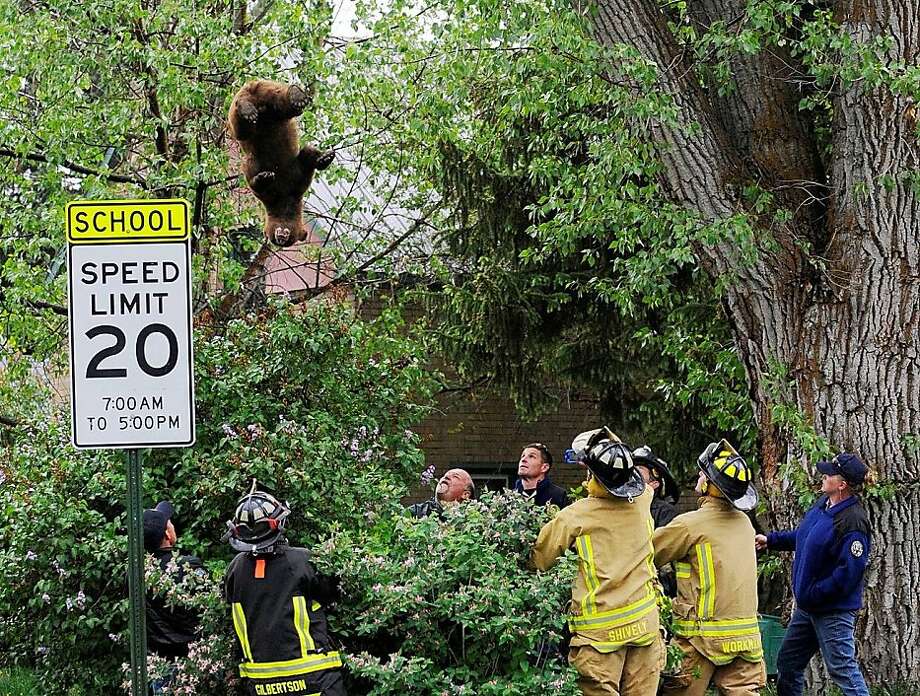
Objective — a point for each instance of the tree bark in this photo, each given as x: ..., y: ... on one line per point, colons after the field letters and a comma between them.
x: 843, y: 317
x: 863, y: 385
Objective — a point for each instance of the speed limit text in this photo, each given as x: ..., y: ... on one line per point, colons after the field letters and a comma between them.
x: 150, y: 273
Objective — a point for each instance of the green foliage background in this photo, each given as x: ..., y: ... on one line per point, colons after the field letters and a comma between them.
x: 556, y: 261
x: 450, y: 606
x: 548, y: 254
x: 317, y: 405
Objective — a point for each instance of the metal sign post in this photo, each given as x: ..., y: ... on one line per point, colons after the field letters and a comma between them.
x: 136, y: 592
x: 131, y: 363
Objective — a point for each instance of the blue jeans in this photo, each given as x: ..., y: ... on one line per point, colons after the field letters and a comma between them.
x: 158, y: 686
x: 832, y: 634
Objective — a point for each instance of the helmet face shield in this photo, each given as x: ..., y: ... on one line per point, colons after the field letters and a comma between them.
x: 583, y: 442
x: 580, y: 444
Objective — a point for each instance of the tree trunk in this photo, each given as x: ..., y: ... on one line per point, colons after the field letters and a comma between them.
x: 864, y: 383
x: 841, y: 316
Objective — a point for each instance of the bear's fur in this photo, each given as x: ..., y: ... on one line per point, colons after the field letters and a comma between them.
x: 277, y: 169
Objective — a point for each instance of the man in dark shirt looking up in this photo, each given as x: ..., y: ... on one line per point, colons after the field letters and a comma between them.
x: 533, y: 480
x: 832, y: 545
x: 170, y: 629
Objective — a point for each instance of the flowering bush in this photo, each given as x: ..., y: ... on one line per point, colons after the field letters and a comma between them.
x: 429, y: 607
x: 315, y: 404
x: 63, y: 605
x: 449, y: 606
x: 211, y: 665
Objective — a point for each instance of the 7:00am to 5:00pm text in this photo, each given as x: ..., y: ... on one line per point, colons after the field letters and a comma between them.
x: 133, y: 421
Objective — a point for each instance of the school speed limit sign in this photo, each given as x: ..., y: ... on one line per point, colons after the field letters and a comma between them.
x: 130, y: 324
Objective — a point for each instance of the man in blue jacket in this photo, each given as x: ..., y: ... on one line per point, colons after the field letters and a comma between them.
x: 831, y: 547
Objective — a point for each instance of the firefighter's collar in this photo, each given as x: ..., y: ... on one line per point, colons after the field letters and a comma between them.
x: 715, y: 501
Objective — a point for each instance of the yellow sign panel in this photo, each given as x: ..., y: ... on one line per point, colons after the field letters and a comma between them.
x: 95, y: 222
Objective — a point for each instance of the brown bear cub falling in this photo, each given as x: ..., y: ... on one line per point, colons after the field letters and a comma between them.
x: 277, y: 169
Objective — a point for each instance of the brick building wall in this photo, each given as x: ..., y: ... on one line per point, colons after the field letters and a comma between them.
x: 482, y: 433
x: 480, y: 430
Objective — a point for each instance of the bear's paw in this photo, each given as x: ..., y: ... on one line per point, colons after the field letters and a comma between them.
x: 265, y: 177
x: 298, y: 98
x: 248, y: 112
x: 325, y: 159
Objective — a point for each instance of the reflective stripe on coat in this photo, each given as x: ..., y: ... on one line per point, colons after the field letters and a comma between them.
x: 716, y: 606
x: 614, y: 596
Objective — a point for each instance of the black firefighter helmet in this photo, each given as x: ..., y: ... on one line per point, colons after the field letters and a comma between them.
x: 610, y: 461
x: 668, y: 490
x: 258, y: 522
x: 728, y: 471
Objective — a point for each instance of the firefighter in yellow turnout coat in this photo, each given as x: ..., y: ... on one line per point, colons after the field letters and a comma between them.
x: 616, y: 646
x: 715, y: 613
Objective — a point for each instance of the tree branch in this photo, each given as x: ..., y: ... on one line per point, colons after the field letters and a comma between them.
x: 304, y: 295
x: 255, y: 274
x: 464, y: 388
x: 762, y: 118
x: 702, y: 170
x: 232, y: 301
x: 153, y: 101
x: 57, y: 309
x: 38, y: 157
x: 260, y: 9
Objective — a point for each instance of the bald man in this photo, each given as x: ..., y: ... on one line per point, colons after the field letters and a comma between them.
x: 455, y: 486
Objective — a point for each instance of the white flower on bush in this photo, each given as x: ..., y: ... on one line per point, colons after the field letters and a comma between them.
x: 289, y: 427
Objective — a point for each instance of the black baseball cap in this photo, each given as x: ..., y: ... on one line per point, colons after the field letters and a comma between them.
x: 155, y: 524
x: 847, y: 465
